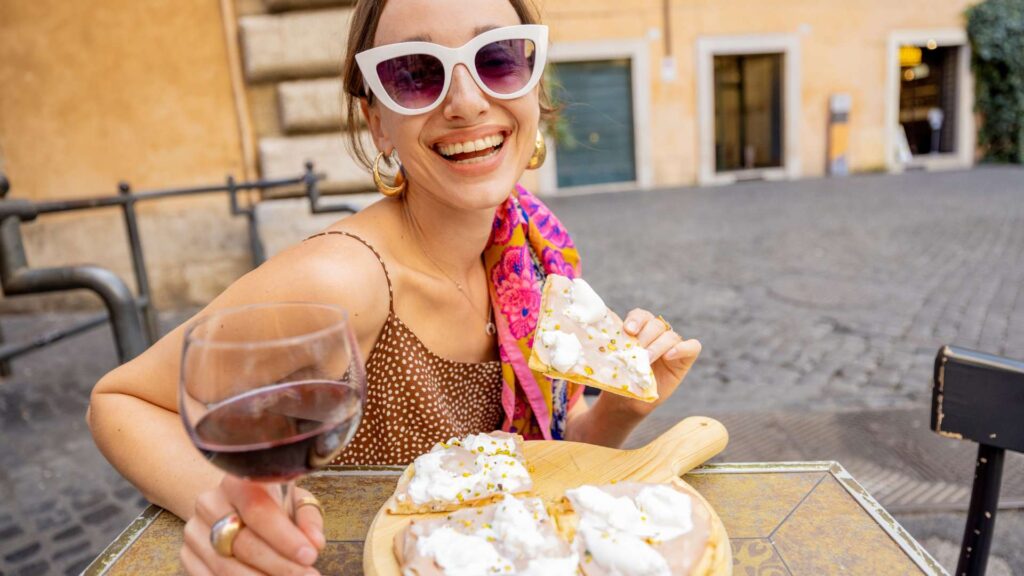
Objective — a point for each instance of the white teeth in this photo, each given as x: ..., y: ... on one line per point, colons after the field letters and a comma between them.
x: 471, y: 146
x: 478, y: 159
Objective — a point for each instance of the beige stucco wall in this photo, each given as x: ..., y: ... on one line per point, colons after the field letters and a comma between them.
x: 96, y: 92
x: 843, y: 49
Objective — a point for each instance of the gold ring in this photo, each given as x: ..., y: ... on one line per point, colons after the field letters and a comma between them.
x: 223, y: 533
x: 309, y: 500
x: 665, y: 322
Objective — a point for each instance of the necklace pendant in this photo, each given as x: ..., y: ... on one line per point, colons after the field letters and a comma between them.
x: 490, y: 329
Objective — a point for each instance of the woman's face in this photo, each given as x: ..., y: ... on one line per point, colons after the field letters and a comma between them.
x: 425, y: 142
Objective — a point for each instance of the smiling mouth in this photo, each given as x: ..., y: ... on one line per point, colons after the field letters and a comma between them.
x: 471, y: 151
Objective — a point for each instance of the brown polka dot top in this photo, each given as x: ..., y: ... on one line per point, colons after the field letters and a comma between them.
x: 415, y: 398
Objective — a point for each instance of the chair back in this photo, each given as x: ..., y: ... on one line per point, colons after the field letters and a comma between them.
x: 979, y: 397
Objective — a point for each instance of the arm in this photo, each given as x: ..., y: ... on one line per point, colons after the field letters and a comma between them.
x: 612, y: 417
x: 134, y: 419
x: 133, y: 412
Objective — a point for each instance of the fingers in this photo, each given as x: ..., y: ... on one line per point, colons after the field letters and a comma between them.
x: 659, y: 339
x: 199, y: 551
x: 261, y: 556
x: 212, y: 506
x: 662, y: 344
x: 309, y: 519
x: 684, y: 353
x: 252, y: 554
x: 192, y: 564
x: 642, y: 324
x: 649, y: 331
x: 263, y: 515
x: 635, y: 320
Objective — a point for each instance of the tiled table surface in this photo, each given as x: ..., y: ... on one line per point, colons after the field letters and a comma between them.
x: 801, y: 518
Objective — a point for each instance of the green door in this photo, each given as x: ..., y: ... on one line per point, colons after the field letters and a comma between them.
x: 595, y: 135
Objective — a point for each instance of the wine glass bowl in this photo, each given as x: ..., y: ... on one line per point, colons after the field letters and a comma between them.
x: 270, y: 392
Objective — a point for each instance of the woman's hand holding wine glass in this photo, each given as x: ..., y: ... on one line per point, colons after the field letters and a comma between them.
x: 268, y: 393
x: 270, y: 542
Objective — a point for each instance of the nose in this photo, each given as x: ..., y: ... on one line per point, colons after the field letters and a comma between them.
x: 465, y: 100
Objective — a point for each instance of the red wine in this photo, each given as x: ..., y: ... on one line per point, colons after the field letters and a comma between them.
x: 280, y: 432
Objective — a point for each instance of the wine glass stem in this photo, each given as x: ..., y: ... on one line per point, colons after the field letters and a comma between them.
x: 287, y: 498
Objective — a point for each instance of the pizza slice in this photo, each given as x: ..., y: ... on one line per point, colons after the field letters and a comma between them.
x: 638, y: 528
x: 471, y: 471
x: 511, y: 536
x: 580, y: 340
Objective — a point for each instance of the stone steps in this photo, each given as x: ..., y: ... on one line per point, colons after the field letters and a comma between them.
x: 310, y: 105
x: 292, y: 58
x: 282, y: 157
x: 293, y: 44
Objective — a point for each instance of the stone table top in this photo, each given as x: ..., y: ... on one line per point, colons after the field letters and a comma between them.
x: 782, y: 518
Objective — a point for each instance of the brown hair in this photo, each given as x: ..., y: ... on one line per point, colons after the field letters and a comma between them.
x: 365, y: 18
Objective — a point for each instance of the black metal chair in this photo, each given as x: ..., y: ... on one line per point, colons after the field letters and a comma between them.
x: 979, y: 397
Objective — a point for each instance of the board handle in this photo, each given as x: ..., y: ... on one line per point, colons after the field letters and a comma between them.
x: 680, y: 449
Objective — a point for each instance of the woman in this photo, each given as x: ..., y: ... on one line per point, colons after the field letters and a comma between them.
x: 418, y: 270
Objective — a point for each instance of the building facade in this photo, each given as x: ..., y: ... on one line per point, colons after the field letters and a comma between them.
x: 654, y: 93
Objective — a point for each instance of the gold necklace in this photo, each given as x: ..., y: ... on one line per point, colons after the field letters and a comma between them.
x: 489, y: 328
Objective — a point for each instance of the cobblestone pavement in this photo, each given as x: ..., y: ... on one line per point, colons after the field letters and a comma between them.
x: 831, y: 294
x: 820, y: 305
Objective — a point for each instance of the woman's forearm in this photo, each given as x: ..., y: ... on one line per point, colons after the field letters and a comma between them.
x: 148, y: 446
x: 607, y: 423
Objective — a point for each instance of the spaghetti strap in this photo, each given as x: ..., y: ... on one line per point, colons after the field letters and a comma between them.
x: 391, y: 290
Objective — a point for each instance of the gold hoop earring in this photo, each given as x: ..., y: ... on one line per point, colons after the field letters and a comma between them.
x: 389, y: 190
x: 540, y: 152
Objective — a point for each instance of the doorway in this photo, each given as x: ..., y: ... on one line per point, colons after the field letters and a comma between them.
x: 748, y: 107
x: 596, y: 144
x: 928, y: 97
x: 748, y: 111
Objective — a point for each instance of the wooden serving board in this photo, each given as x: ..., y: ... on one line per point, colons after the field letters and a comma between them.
x: 560, y: 465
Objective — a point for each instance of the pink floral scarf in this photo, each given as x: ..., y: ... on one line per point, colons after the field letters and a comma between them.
x: 526, y: 244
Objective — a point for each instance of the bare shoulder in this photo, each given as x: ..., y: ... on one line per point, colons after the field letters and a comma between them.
x: 339, y: 266
x: 332, y: 269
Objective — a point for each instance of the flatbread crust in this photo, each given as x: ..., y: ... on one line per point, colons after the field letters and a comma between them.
x: 477, y: 454
x: 692, y: 554
x: 608, y: 353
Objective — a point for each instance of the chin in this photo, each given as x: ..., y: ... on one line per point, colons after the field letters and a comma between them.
x: 486, y: 194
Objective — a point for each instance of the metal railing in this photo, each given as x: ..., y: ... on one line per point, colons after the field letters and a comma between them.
x: 132, y: 317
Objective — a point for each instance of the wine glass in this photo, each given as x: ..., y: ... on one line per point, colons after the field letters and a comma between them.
x: 271, y: 392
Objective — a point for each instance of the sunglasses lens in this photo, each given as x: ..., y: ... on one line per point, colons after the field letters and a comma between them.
x: 414, y: 81
x: 506, y: 66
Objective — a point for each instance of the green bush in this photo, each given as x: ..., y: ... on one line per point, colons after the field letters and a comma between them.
x: 996, y: 30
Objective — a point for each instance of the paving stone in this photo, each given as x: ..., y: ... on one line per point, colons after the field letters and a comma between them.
x: 67, y: 533
x: 294, y: 44
x: 23, y: 553
x: 78, y: 567
x: 8, y: 532
x: 71, y: 551
x: 100, y: 514
x: 84, y: 497
x: 941, y: 535
x: 125, y: 492
x: 52, y: 519
x: 34, y: 569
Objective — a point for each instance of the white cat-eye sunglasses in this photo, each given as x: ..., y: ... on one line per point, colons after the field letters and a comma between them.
x: 414, y: 77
